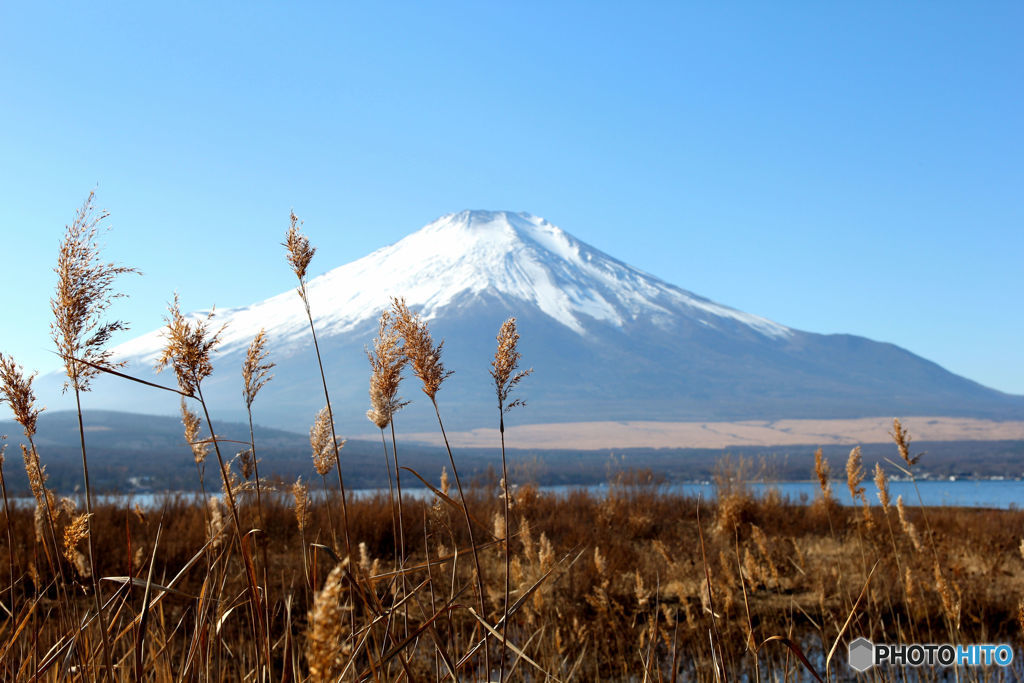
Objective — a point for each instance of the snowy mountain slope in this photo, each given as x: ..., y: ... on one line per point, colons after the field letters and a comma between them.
x: 514, y: 255
x: 607, y: 342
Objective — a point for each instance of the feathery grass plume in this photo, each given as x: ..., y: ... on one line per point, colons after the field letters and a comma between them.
x: 855, y: 476
x: 36, y: 472
x: 763, y: 547
x: 326, y: 645
x: 445, y: 484
x: 81, y: 564
x: 823, y: 472
x: 40, y: 516
x: 188, y: 348
x: 300, y: 253
x: 908, y: 527
x: 192, y: 423
x: 73, y: 535
x: 950, y: 603
x: 321, y: 441
x: 855, y: 473
x: 882, y: 484
x: 911, y: 587
x: 255, y: 368
x: 505, y: 366
x: 387, y: 360
x: 600, y: 564
x: 245, y: 462
x: 83, y: 294
x: 418, y: 346
x: 215, y: 525
x: 16, y: 391
x: 901, y: 436
x: 300, y: 492
x: 438, y: 508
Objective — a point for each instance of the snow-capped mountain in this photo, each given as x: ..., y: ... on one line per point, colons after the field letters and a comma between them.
x: 607, y: 342
x: 515, y: 256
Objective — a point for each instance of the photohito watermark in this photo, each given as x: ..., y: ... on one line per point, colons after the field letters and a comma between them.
x: 863, y: 654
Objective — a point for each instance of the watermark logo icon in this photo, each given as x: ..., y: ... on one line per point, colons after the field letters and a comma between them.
x: 861, y: 654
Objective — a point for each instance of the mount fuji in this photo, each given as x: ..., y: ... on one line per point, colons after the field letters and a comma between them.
x: 607, y: 342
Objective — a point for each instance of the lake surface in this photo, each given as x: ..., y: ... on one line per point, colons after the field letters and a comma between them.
x: 985, y: 493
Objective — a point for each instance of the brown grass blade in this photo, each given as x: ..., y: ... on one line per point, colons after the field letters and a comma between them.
x: 140, y: 639
x: 451, y: 501
x: 111, y: 371
x: 795, y: 649
x: 863, y: 592
x: 146, y: 584
x: 520, y: 653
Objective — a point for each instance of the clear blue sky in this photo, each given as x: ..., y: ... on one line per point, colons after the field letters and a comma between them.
x: 851, y: 168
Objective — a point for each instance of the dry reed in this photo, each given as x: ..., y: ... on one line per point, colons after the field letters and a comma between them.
x: 506, y: 375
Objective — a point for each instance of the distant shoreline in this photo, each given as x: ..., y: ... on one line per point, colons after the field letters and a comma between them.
x: 759, y: 433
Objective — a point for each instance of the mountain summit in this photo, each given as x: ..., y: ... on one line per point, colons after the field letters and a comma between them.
x: 607, y: 341
x: 523, y: 260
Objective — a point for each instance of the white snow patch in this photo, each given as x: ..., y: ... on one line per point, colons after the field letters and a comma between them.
x: 468, y: 253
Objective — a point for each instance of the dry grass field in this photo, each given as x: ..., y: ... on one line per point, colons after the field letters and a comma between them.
x: 611, y: 588
x: 486, y: 580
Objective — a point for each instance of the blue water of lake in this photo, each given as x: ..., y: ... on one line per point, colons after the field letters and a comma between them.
x: 985, y: 493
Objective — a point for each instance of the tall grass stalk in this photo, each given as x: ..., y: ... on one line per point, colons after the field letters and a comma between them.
x: 300, y: 253
x: 401, y: 532
x: 83, y: 294
x: 425, y: 359
x: 7, y: 524
x: 901, y: 437
x: 506, y: 375
x: 187, y: 351
x: 322, y: 441
x: 16, y: 390
x: 386, y: 364
x: 255, y: 374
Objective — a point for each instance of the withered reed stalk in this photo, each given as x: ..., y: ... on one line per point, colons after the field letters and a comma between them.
x: 506, y: 374
x: 16, y: 390
x: 255, y: 374
x: 324, y: 650
x: 7, y: 520
x: 187, y: 351
x: 82, y: 296
x: 300, y: 253
x: 901, y: 437
x: 425, y: 359
x: 320, y: 440
x: 200, y: 448
x: 386, y: 364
